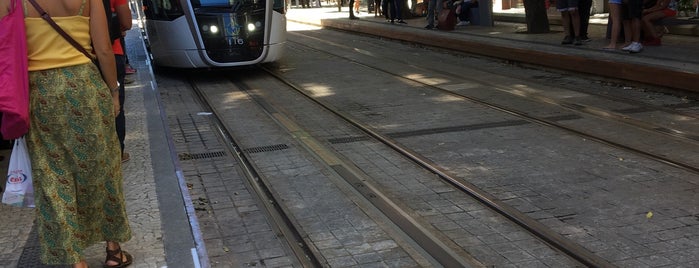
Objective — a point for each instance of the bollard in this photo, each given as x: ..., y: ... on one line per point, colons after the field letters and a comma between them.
x: 485, y: 13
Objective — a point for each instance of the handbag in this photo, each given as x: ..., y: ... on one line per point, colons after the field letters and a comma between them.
x: 18, y: 189
x: 14, y: 77
x: 446, y: 18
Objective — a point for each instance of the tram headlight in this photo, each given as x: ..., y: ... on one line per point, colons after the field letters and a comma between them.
x: 251, y: 27
x: 209, y: 29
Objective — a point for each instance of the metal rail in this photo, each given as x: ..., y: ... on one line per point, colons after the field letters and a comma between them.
x: 304, y: 254
x: 439, y: 250
x: 550, y: 123
x: 564, y: 245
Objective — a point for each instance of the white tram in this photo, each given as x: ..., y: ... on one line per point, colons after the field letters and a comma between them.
x: 213, y: 33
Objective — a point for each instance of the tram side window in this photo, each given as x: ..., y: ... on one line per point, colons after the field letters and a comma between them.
x: 278, y: 6
x: 162, y: 9
x: 212, y: 3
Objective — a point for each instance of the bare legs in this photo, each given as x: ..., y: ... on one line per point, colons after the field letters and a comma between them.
x: 648, y: 20
x: 572, y: 35
x: 615, y: 13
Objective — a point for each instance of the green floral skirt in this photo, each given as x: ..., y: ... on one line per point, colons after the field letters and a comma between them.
x: 76, y: 163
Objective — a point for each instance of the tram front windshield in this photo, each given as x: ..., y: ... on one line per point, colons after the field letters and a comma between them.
x: 218, y: 3
x: 212, y: 3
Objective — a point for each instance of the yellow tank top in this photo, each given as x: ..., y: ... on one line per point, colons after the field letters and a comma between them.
x: 47, y: 49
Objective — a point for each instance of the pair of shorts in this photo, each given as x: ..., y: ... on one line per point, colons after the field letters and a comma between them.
x: 566, y: 5
x: 634, y: 9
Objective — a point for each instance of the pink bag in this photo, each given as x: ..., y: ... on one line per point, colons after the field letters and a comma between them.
x: 14, y: 78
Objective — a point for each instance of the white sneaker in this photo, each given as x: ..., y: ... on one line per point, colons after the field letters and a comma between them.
x: 463, y: 23
x: 635, y: 47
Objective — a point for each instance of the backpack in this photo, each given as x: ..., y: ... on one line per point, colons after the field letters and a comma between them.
x: 112, y: 21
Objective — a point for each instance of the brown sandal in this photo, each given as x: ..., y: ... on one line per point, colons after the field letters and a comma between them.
x: 117, y: 256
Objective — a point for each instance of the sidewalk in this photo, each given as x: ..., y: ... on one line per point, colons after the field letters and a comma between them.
x: 674, y: 64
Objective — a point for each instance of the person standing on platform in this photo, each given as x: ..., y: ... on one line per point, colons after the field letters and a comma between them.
x: 351, y: 10
x: 123, y: 14
x: 632, y: 25
x: 395, y: 10
x: 72, y: 141
x: 432, y: 6
x: 615, y: 7
x: 584, y: 8
x: 385, y: 10
x: 569, y: 12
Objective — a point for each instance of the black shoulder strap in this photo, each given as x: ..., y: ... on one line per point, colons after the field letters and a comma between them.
x: 60, y: 31
x: 108, y: 11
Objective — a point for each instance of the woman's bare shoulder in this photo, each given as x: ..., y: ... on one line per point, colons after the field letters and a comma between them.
x: 59, y: 8
x: 4, y: 7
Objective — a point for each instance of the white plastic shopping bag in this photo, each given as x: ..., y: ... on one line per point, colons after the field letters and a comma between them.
x: 19, y: 191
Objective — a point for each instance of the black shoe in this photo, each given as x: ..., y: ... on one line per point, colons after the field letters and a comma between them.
x: 577, y: 41
x: 585, y: 39
x: 392, y: 22
x: 567, y: 40
x: 429, y: 27
x: 402, y: 22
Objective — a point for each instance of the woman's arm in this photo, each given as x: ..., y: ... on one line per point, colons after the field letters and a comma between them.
x: 659, y: 5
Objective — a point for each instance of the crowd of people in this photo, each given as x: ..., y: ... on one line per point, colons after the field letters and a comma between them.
x: 637, y: 17
x: 633, y: 22
x: 634, y: 18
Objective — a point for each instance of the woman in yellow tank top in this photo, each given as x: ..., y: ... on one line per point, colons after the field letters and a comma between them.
x: 75, y: 154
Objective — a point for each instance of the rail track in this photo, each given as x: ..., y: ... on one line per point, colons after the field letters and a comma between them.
x: 437, y: 244
x: 688, y: 135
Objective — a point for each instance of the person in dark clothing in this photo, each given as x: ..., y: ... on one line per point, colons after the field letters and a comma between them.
x: 464, y: 11
x: 584, y: 7
x: 351, y: 10
x: 395, y: 11
x: 569, y: 13
x: 123, y: 12
x: 433, y: 8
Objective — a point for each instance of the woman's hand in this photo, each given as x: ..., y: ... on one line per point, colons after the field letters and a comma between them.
x: 115, y: 103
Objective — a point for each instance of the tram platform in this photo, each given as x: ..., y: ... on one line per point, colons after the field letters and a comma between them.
x: 162, y: 234
x: 675, y: 64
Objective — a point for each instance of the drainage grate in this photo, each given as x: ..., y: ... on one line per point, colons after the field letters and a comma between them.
x: 636, y: 110
x: 563, y: 117
x: 431, y: 131
x: 348, y: 139
x: 188, y: 156
x: 31, y: 252
x: 268, y: 148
